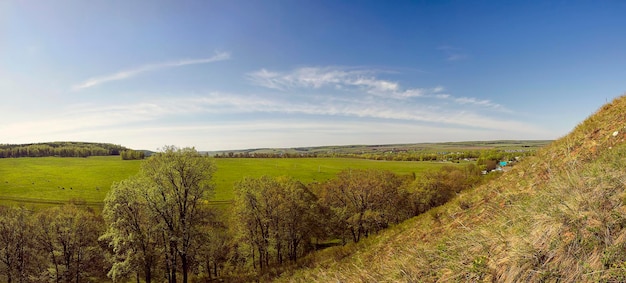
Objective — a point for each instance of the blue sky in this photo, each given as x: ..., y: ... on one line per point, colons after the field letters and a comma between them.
x: 248, y: 74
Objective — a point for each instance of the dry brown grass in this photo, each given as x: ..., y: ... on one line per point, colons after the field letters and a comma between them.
x: 556, y: 217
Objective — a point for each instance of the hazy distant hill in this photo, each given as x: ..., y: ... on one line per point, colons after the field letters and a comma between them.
x: 559, y: 216
x: 363, y: 149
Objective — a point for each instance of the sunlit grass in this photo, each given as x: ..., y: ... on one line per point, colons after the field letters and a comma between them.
x: 306, y: 170
x: 55, y: 179
x: 52, y: 180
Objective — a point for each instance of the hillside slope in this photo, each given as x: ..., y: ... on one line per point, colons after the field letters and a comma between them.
x: 559, y: 216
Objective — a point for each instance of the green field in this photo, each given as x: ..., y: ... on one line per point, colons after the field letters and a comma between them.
x: 51, y: 180
x: 306, y: 170
x: 56, y: 179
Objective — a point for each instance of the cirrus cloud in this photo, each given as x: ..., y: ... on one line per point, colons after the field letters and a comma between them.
x: 126, y: 74
x: 362, y: 80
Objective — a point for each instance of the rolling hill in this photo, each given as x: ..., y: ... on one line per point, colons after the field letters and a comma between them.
x: 381, y: 148
x: 559, y: 216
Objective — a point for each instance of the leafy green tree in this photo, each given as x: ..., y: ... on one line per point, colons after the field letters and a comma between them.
x: 214, y: 251
x: 299, y: 212
x: 132, y: 155
x: 132, y: 233
x: 17, y: 252
x: 160, y: 215
x: 276, y: 215
x: 362, y: 201
x: 435, y: 188
x: 69, y: 236
x: 254, y: 213
x: 178, y: 182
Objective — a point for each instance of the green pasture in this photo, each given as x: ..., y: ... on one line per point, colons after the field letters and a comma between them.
x: 52, y: 180
x: 59, y: 179
x: 306, y: 170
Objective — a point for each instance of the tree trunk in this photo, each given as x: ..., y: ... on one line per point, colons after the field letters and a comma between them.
x: 279, y: 253
x: 173, y: 261
x: 9, y: 278
x: 167, y: 268
x: 260, y: 258
x: 56, y: 267
x: 68, y: 271
x: 77, y: 266
x: 21, y: 265
x: 185, y: 264
x: 253, y: 257
x: 208, y: 269
x: 148, y: 273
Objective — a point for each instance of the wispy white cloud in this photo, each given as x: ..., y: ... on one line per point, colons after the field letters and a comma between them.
x: 361, y: 93
x: 351, y: 107
x: 453, y: 53
x: 363, y: 80
x: 310, y: 77
x: 90, y: 116
x: 357, y: 80
x: 481, y: 102
x: 296, y: 132
x: 126, y: 74
x: 267, y: 79
x: 336, y: 92
x: 456, y: 57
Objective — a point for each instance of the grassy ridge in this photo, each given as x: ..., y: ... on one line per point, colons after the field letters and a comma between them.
x: 557, y: 217
x: 52, y: 180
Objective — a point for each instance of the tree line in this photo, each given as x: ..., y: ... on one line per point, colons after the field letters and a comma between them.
x: 159, y: 224
x: 132, y: 154
x: 60, y: 149
x: 398, y: 155
x: 54, y: 245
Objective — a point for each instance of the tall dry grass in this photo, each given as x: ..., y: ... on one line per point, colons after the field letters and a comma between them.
x: 556, y: 217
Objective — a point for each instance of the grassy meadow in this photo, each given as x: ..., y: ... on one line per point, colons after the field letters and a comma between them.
x: 52, y: 180
x: 57, y: 179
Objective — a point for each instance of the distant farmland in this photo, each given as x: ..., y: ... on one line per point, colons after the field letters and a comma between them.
x: 57, y: 179
x: 52, y: 180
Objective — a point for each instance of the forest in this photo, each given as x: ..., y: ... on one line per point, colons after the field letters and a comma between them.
x: 60, y: 149
x: 159, y: 225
